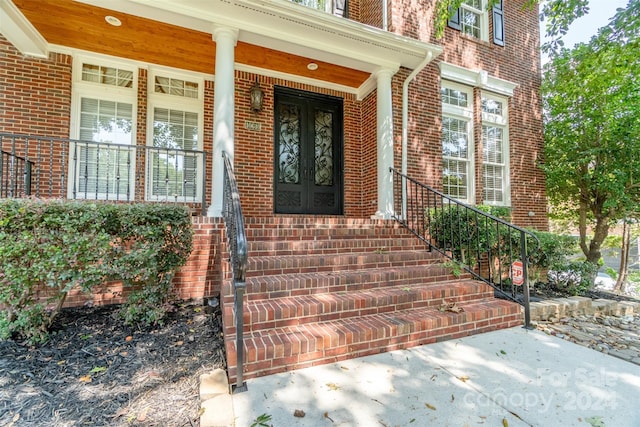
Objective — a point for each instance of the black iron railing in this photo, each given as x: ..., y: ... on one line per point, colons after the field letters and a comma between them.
x: 489, y: 248
x: 15, y: 175
x: 238, y: 253
x: 88, y: 170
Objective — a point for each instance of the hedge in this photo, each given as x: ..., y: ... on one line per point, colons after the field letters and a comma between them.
x: 49, y: 247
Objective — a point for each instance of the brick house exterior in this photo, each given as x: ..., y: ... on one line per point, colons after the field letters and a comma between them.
x: 42, y: 87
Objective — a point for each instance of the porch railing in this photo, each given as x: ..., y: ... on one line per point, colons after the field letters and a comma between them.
x: 238, y: 253
x: 88, y: 170
x: 15, y: 175
x: 489, y: 248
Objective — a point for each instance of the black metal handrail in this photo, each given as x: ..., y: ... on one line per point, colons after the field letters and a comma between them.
x: 15, y: 175
x: 238, y: 254
x: 489, y: 248
x: 89, y: 170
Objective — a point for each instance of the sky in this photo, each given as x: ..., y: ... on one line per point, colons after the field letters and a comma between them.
x: 582, y: 29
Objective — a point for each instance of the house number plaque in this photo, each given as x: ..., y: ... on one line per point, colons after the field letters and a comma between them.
x: 254, y: 126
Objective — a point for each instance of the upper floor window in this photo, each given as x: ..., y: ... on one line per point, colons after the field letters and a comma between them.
x: 472, y: 18
x: 335, y: 7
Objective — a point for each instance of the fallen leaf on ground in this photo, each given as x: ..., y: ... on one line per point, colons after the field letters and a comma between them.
x: 333, y: 386
x: 451, y: 306
x: 464, y: 378
x: 85, y: 379
x: 128, y: 338
x: 433, y: 408
x: 299, y: 413
x: 596, y: 421
x: 97, y: 369
x: 326, y: 415
x: 505, y: 423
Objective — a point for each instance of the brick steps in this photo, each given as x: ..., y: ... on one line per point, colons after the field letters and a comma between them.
x: 310, y: 263
x: 269, y: 351
x: 289, y: 285
x: 320, y: 290
x: 298, y: 310
x: 334, y: 246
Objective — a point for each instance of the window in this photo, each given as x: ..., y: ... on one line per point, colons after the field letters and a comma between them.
x: 174, y: 164
x: 471, y: 19
x: 495, y: 150
x: 457, y: 142
x: 104, y: 102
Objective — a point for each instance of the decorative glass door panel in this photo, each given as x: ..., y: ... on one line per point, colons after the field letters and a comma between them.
x: 308, y: 153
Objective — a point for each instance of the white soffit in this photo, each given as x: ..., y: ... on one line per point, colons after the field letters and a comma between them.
x: 288, y: 27
x: 20, y: 32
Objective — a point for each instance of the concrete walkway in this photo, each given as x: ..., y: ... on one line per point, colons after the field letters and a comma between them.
x: 512, y: 377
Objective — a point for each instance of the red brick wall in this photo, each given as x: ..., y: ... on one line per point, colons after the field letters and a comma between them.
x: 35, y: 94
x: 518, y: 62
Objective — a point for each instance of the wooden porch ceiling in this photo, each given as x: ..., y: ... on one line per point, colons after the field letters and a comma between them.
x: 81, y: 26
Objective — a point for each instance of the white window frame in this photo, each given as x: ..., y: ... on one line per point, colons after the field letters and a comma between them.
x: 168, y: 101
x: 483, y: 14
x: 466, y: 114
x: 85, y: 89
x: 502, y: 122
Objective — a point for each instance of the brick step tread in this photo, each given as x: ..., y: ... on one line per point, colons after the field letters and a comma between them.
x: 324, y: 233
x: 308, y: 263
x: 293, y: 347
x: 334, y: 246
x: 290, y: 311
x: 319, y: 222
x: 285, y: 285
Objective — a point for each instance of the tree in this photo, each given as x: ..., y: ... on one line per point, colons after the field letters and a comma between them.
x: 591, y: 98
x: 558, y: 14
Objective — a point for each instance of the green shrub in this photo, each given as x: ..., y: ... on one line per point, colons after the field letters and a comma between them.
x: 554, y: 249
x: 573, y: 277
x: 466, y: 234
x: 48, y: 248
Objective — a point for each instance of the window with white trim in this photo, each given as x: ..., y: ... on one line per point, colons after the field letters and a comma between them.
x: 457, y: 141
x: 103, y: 118
x: 175, y: 114
x: 472, y: 18
x: 495, y: 150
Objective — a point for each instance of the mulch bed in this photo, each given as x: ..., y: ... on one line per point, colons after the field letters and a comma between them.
x: 96, y: 371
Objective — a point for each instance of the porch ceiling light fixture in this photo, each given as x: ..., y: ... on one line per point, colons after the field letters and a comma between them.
x: 112, y: 20
x: 257, y: 97
x: 312, y: 66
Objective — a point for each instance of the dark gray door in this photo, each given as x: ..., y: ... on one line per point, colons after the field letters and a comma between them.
x: 308, y: 153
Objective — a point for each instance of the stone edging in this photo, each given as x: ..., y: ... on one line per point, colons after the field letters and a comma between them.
x: 555, y: 309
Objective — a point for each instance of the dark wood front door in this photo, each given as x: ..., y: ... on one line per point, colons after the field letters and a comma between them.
x: 308, y: 153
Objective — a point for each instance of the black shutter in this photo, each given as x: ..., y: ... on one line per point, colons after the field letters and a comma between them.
x: 454, y: 20
x: 498, y: 23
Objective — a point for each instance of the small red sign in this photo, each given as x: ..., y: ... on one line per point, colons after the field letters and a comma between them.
x: 517, y: 273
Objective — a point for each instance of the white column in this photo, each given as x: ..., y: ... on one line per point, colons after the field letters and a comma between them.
x: 385, y: 143
x: 223, y: 111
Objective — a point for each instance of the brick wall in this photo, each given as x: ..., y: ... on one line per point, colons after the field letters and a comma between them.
x: 518, y: 62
